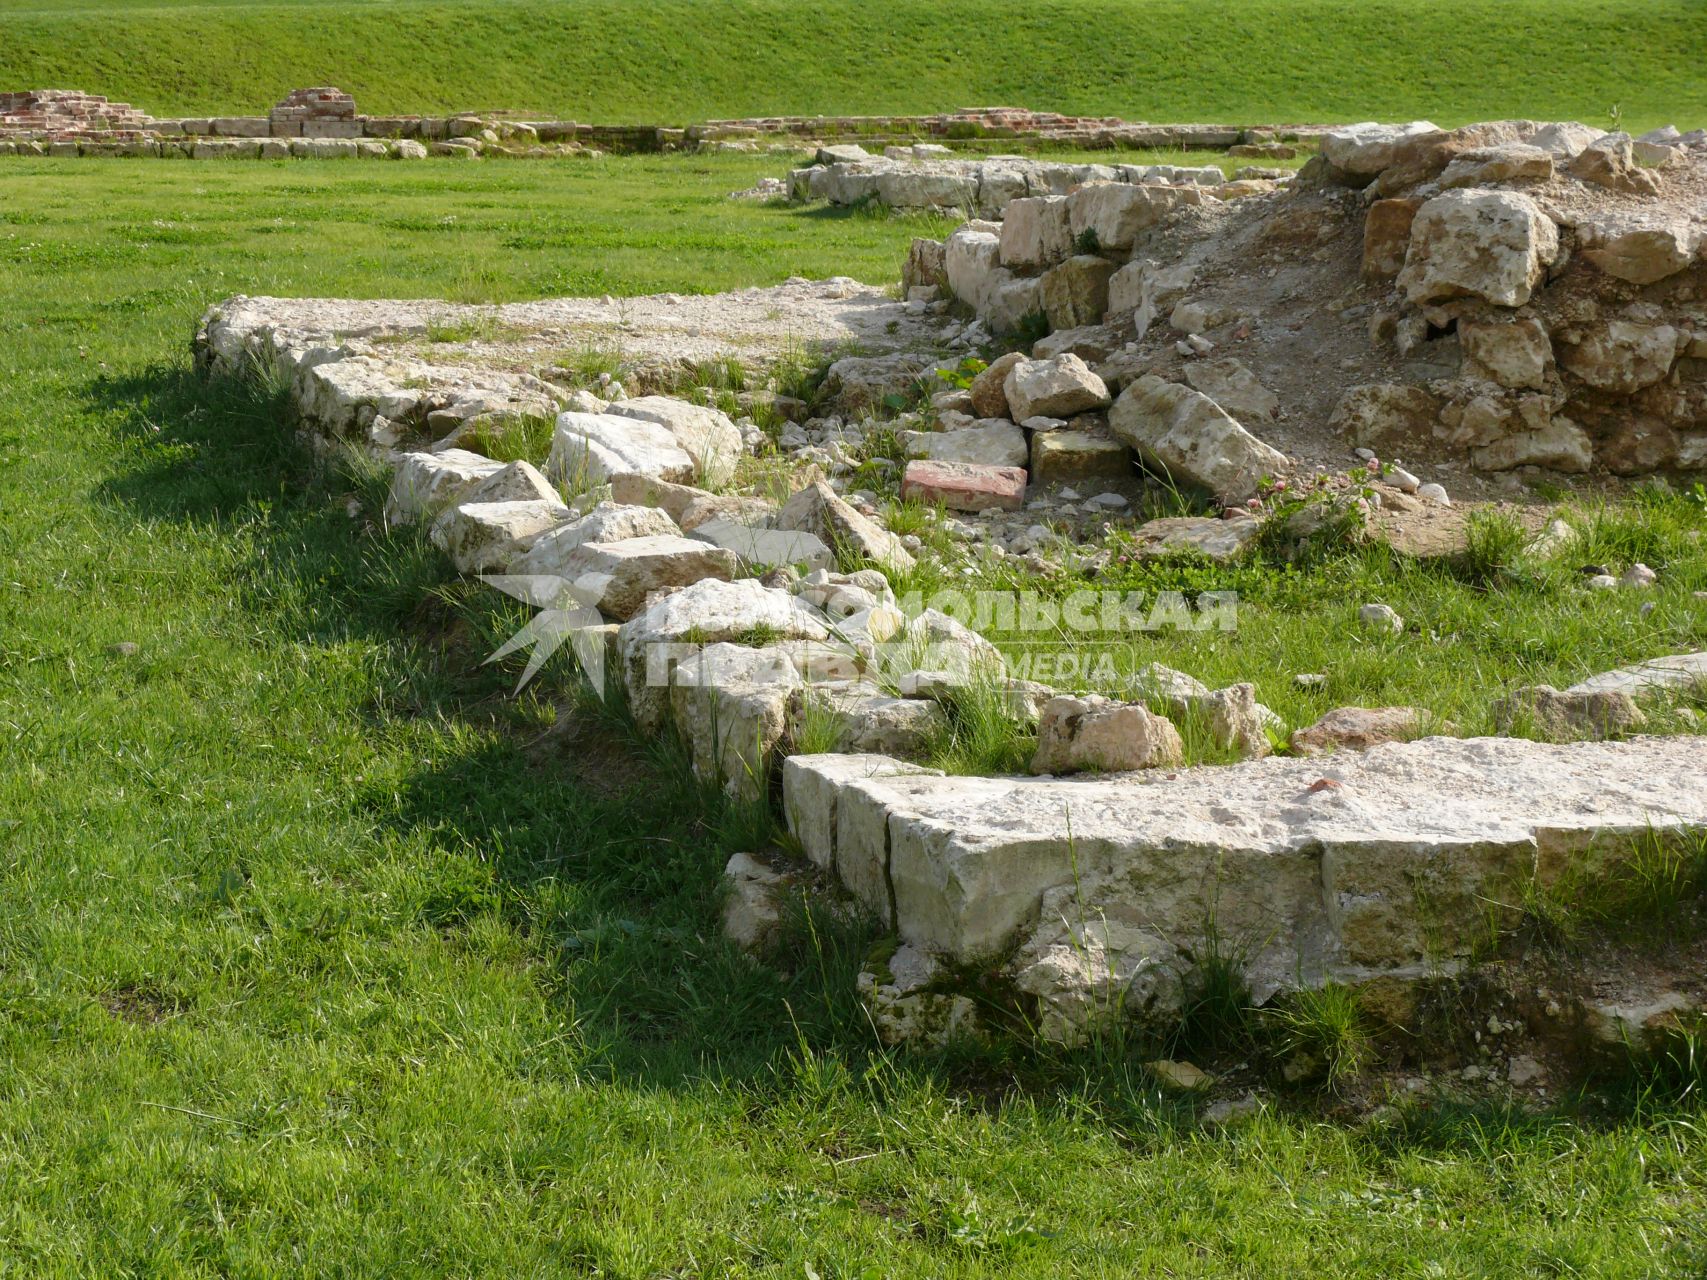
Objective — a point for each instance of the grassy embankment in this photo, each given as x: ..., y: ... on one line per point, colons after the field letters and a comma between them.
x: 675, y: 61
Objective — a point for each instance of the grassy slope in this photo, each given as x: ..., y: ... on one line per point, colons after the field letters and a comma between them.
x: 307, y: 963
x: 679, y: 60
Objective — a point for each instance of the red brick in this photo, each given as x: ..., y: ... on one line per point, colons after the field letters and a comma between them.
x: 965, y: 486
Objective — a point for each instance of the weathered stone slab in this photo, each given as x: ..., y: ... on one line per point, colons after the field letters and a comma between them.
x: 1072, y: 457
x: 996, y: 444
x: 730, y: 705
x: 550, y: 555
x: 766, y: 547
x: 426, y: 483
x: 592, y: 447
x: 1678, y: 673
x: 704, y: 434
x: 648, y: 491
x: 618, y: 577
x: 1196, y: 535
x: 1116, y: 214
x: 1192, y: 439
x: 1377, y: 862
x: 487, y: 537
x: 1493, y: 245
x: 1058, y: 387
x: 820, y: 511
x: 653, y: 642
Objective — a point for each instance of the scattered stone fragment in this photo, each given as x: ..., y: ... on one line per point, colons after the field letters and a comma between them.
x: 898, y: 994
x: 1550, y: 541
x: 1638, y: 575
x: 1564, y: 716
x: 818, y: 510
x: 1083, y: 974
x: 1523, y: 1071
x: 1679, y: 672
x: 1235, y: 388
x: 937, y: 642
x: 989, y: 397
x: 1196, y: 535
x: 1225, y: 1112
x: 1234, y: 720
x: 1183, y: 1076
x: 757, y: 896
x: 1610, y: 162
x: 1097, y: 733
x: 1189, y: 437
x: 1434, y: 493
x: 1643, y: 1025
x: 1358, y: 728
x: 1381, y: 617
x: 1055, y: 388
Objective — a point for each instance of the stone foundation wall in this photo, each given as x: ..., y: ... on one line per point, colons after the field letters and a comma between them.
x: 34, y: 120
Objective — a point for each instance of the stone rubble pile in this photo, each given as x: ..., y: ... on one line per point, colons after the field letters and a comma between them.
x: 1505, y: 297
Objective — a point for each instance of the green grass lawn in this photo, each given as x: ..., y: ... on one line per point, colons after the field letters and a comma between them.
x: 321, y: 954
x: 674, y: 61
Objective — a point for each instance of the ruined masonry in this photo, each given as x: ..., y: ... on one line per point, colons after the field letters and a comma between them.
x: 1503, y: 295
